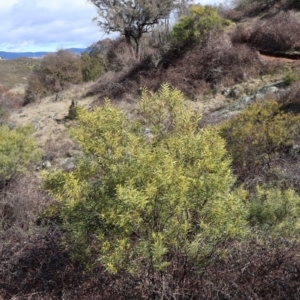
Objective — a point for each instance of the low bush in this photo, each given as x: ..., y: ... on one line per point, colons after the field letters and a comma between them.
x: 17, y: 151
x: 256, y: 135
x: 251, y: 8
x: 290, y: 98
x: 10, y: 100
x: 197, y: 25
x: 93, y: 61
x: 292, y: 77
x: 57, y: 72
x: 119, y: 56
x: 274, y: 211
x: 278, y: 33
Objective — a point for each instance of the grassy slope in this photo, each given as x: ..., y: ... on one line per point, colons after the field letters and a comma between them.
x: 16, y: 71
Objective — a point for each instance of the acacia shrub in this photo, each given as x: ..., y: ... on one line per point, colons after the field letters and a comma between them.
x: 17, y: 151
x: 196, y: 25
x: 57, y: 72
x: 256, y: 135
x: 147, y: 191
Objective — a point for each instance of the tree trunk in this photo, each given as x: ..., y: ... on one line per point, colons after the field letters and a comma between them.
x: 128, y: 42
x: 138, y: 50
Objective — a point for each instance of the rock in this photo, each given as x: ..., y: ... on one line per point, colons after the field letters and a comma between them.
x: 226, y: 92
x: 47, y: 164
x: 68, y: 164
x: 259, y: 96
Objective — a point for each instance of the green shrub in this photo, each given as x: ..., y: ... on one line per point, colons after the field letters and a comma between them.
x: 275, y: 212
x: 17, y: 151
x: 92, y: 66
x: 196, y: 25
x: 57, y: 72
x: 291, y: 77
x: 147, y: 190
x: 254, y: 136
x: 73, y: 110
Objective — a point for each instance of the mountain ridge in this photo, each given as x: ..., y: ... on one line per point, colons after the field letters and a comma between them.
x: 39, y: 54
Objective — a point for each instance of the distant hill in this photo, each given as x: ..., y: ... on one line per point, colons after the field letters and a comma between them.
x: 13, y: 55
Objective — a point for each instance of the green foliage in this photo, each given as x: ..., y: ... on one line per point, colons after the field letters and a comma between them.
x: 72, y: 114
x: 275, y: 211
x: 147, y: 187
x: 92, y: 66
x: 254, y: 136
x: 291, y: 77
x: 17, y: 151
x: 3, y: 115
x: 57, y: 72
x: 196, y: 25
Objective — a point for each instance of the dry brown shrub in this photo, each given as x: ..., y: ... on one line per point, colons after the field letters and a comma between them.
x: 9, y: 100
x: 119, y: 56
x: 219, y: 62
x: 242, y: 33
x: 278, y: 33
x: 251, y: 8
x: 197, y: 71
x: 57, y: 72
x: 254, y: 269
x: 24, y: 199
x: 233, y: 15
x: 290, y: 99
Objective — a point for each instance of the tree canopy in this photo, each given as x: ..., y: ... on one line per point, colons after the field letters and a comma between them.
x: 131, y: 18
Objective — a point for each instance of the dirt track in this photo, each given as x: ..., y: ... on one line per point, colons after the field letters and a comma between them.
x: 278, y: 59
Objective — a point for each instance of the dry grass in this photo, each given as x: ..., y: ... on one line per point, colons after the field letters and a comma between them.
x: 16, y: 71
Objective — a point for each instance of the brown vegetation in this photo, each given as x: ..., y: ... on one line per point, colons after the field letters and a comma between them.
x: 36, y: 261
x: 279, y: 33
x: 43, y: 269
x: 196, y: 71
x: 56, y: 73
x: 9, y: 100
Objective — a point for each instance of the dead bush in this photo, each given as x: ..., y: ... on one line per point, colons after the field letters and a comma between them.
x: 219, y: 62
x: 242, y: 33
x: 196, y: 71
x: 254, y: 269
x: 251, y: 8
x: 57, y: 72
x: 290, y: 99
x: 20, y: 203
x: 119, y: 56
x: 279, y: 33
x: 9, y: 100
x: 232, y: 14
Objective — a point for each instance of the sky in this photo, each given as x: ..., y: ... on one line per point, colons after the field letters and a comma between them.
x: 43, y: 25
